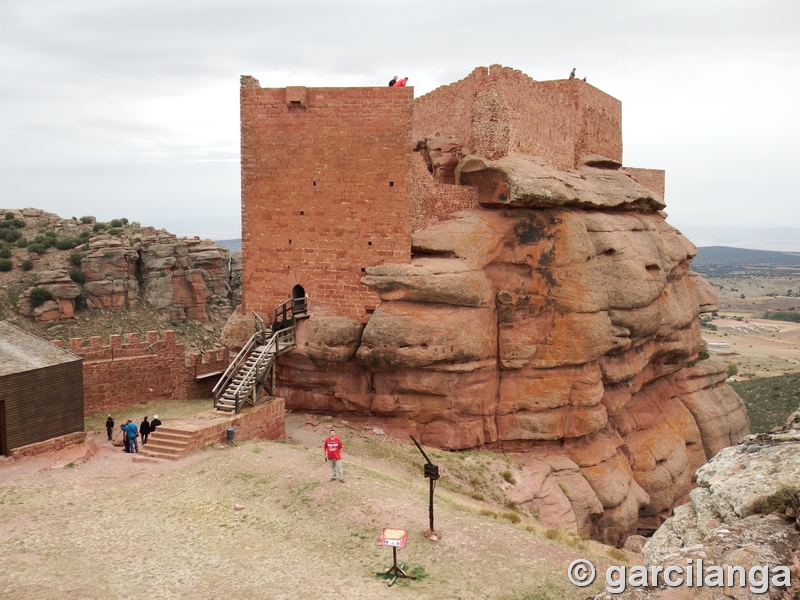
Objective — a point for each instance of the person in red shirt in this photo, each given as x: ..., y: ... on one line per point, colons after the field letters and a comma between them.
x: 332, y: 448
x: 401, y: 83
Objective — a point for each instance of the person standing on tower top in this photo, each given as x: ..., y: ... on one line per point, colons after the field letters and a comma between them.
x: 332, y: 449
x: 402, y: 82
x: 393, y: 81
x: 572, y: 74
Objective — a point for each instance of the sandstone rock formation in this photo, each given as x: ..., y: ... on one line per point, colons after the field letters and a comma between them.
x: 179, y: 277
x: 560, y: 321
x: 744, y: 512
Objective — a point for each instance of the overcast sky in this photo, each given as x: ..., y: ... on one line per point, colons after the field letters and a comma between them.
x: 129, y: 108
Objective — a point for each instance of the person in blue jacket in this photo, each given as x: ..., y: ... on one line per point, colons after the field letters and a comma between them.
x: 132, y: 432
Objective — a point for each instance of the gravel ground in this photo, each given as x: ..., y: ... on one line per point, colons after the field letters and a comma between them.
x: 113, y: 527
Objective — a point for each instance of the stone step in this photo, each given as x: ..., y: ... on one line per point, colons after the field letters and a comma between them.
x: 149, y: 447
x: 174, y: 434
x: 168, y: 443
x: 159, y: 455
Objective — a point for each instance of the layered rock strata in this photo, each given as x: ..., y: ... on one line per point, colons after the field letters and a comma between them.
x: 743, y: 513
x: 179, y: 277
x: 560, y: 322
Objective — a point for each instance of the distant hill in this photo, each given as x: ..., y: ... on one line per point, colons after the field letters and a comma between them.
x: 769, y: 400
x: 778, y: 239
x: 720, y: 261
x: 234, y: 245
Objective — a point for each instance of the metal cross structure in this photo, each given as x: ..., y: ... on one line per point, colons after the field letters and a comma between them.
x: 431, y: 471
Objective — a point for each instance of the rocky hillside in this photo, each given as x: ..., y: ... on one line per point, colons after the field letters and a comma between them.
x: 744, y: 512
x: 79, y: 277
x: 558, y: 322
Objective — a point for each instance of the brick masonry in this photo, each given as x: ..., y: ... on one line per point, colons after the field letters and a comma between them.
x: 128, y: 370
x: 53, y: 444
x: 497, y: 111
x: 264, y: 421
x: 325, y: 183
x: 331, y: 185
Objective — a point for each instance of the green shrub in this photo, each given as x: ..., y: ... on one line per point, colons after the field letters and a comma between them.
x: 97, y: 227
x: 80, y: 302
x: 5, y: 252
x: 88, y: 219
x: 37, y: 248
x: 783, y: 315
x: 39, y: 296
x: 12, y: 223
x: 75, y: 259
x: 84, y: 235
x: 77, y: 276
x: 509, y: 477
x: 113, y: 231
x: 9, y: 235
x: 786, y: 498
x: 67, y: 243
x: 5, y: 264
x: 116, y: 223
x: 43, y: 240
x: 9, y: 216
x: 124, y: 221
x: 732, y: 370
x: 22, y: 242
x: 52, y: 235
x: 27, y: 265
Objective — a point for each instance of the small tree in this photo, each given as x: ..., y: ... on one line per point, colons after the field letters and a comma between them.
x: 5, y: 264
x: 27, y: 265
x: 77, y: 276
x: 732, y: 370
x: 39, y: 296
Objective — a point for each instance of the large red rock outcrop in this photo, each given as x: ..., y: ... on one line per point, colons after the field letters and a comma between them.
x: 116, y: 268
x: 563, y: 326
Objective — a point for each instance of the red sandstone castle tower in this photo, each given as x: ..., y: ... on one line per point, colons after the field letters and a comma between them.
x: 338, y: 179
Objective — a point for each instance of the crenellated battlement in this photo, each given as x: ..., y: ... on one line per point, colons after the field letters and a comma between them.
x: 131, y: 368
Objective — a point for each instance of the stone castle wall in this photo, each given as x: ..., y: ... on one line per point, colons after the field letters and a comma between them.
x: 130, y: 370
x: 431, y: 202
x: 325, y: 188
x: 497, y: 111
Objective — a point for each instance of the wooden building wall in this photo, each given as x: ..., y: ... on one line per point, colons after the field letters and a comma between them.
x: 42, y: 403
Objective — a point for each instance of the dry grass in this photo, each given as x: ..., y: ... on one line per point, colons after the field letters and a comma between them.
x: 105, y: 527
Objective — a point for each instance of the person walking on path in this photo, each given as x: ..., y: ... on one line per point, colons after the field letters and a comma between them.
x: 125, y: 439
x: 154, y: 423
x: 144, y: 429
x: 109, y: 427
x: 332, y: 448
x: 133, y: 433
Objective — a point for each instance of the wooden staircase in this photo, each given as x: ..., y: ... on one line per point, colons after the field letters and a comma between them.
x: 253, y: 369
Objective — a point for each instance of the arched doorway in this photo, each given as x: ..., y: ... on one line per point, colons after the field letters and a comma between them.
x: 298, y: 299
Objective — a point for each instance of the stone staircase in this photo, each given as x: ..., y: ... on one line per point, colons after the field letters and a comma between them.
x: 169, y: 443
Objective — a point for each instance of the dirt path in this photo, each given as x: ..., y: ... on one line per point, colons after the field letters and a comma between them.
x: 112, y: 527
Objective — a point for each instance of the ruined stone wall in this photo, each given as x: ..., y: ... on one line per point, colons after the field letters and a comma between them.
x: 652, y: 179
x: 431, y: 202
x: 500, y: 111
x: 50, y: 445
x: 122, y: 373
x: 324, y: 192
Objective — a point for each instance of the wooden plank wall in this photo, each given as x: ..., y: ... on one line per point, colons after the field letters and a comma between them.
x: 43, y: 403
